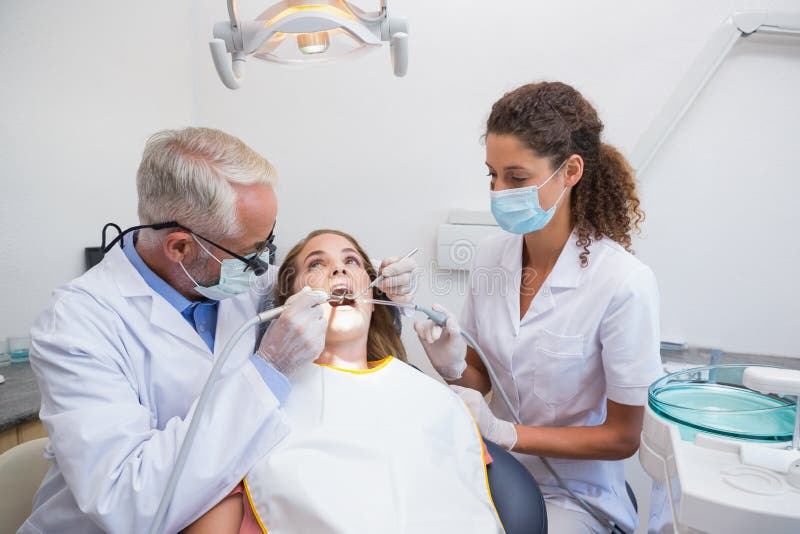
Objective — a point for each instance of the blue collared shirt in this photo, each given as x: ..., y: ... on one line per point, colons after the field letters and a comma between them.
x: 202, y: 315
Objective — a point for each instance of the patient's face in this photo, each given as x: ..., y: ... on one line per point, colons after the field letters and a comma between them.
x: 331, y: 263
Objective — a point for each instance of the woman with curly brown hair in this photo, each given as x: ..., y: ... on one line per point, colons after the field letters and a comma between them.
x: 566, y: 314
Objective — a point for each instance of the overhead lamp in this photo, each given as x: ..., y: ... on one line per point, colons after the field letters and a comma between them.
x: 298, y: 32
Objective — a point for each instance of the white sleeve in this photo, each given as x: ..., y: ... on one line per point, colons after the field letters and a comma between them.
x: 114, y: 459
x: 630, y: 339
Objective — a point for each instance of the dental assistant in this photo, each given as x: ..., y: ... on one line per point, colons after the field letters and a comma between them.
x: 567, y: 316
x: 121, y: 353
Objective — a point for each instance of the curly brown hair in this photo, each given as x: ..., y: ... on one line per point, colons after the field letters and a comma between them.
x: 556, y: 121
x: 383, y: 339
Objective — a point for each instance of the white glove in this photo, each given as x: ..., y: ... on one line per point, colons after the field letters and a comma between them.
x: 504, y: 433
x: 297, y: 337
x: 398, y: 282
x: 445, y: 347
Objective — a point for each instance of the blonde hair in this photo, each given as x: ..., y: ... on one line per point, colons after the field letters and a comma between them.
x: 189, y: 175
x: 382, y: 339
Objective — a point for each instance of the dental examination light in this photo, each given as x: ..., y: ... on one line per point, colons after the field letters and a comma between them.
x: 299, y: 32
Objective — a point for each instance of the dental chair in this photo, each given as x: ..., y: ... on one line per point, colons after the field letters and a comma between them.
x: 22, y: 469
x: 515, y: 493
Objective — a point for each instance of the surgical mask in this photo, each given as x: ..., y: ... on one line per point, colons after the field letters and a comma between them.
x: 518, y: 210
x: 233, y: 278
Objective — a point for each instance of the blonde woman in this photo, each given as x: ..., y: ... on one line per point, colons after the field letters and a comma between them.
x: 376, y: 445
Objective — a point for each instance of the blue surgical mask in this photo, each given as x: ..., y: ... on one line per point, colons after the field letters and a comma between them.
x: 233, y: 278
x: 518, y: 210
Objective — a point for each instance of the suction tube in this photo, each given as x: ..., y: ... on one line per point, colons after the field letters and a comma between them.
x: 203, y: 400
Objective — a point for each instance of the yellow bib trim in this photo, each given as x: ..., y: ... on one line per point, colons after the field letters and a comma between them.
x: 374, y: 366
x: 253, y: 506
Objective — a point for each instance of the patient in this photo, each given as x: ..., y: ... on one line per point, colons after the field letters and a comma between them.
x: 375, y: 445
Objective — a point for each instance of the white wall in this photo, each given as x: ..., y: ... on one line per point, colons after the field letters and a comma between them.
x: 82, y: 85
x: 722, y: 199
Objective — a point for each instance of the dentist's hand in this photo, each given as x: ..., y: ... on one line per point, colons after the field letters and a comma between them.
x: 445, y: 347
x: 398, y: 282
x: 297, y: 337
x: 504, y: 433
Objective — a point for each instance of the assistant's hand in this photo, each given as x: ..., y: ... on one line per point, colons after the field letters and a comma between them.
x: 398, y: 279
x: 445, y: 347
x: 297, y: 337
x: 504, y: 433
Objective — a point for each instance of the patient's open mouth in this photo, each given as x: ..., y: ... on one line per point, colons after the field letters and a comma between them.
x: 342, y: 297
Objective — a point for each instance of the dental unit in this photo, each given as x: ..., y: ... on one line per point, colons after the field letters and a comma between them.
x: 723, y: 442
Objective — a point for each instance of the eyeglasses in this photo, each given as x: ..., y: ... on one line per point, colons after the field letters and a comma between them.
x: 254, y: 262
x: 268, y: 243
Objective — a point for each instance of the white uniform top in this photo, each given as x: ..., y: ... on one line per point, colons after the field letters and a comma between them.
x: 590, y: 334
x: 119, y: 370
x: 387, y: 450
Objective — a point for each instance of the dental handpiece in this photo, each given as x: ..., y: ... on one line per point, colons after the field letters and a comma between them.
x: 437, y: 317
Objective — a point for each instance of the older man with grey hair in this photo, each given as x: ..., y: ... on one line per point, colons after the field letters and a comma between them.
x: 122, y: 352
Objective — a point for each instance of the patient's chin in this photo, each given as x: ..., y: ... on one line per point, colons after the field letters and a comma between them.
x: 346, y: 325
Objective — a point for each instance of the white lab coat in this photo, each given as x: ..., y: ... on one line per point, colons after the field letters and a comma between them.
x: 119, y: 371
x: 590, y: 334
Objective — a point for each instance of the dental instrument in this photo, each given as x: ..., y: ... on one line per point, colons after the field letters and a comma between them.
x: 379, y: 278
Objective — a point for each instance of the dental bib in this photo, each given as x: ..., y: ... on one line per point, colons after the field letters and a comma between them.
x: 386, y: 450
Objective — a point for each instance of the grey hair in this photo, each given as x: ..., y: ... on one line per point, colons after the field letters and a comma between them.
x: 189, y: 175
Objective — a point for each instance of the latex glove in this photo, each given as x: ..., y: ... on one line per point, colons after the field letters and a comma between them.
x: 297, y: 337
x: 445, y: 347
x: 398, y: 282
x: 504, y: 433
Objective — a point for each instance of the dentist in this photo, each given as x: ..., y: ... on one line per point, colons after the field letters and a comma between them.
x: 122, y: 352
x: 567, y: 316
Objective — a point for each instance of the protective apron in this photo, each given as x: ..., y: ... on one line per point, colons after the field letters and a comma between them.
x: 386, y: 450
